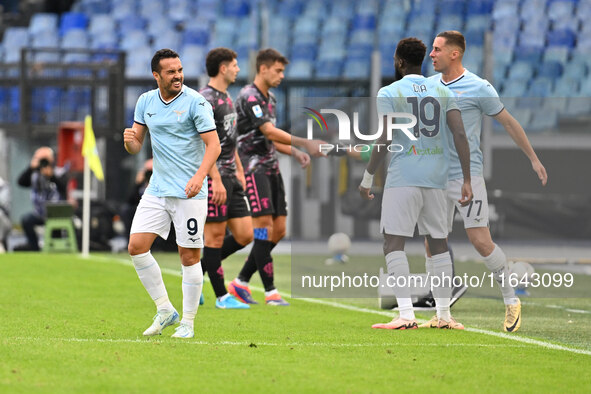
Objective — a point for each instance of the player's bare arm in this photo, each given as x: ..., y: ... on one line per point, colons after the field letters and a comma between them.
x: 133, y: 138
x: 302, y: 157
x: 212, y: 151
x: 277, y: 135
x: 218, y: 191
x: 514, y: 129
x: 456, y: 126
x: 240, y: 170
x: 376, y: 158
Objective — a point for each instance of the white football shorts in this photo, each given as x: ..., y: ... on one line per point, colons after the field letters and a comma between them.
x: 474, y: 214
x: 405, y: 207
x: 154, y: 214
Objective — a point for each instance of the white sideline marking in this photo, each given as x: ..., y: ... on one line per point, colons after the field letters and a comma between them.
x: 245, y: 343
x: 512, y: 337
x: 551, y: 306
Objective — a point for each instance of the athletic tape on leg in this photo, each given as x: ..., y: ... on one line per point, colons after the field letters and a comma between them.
x: 261, y: 233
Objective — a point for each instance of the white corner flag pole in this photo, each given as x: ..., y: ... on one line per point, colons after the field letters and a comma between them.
x: 86, y: 210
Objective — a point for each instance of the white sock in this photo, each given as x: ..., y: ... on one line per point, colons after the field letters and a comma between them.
x: 271, y: 292
x: 397, y: 264
x: 192, y: 285
x: 241, y: 282
x: 496, y: 262
x: 441, y: 268
x: 149, y: 273
x: 224, y: 297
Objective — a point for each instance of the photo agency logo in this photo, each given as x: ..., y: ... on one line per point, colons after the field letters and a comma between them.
x: 404, y: 122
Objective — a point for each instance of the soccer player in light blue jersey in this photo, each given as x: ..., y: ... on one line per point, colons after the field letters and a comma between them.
x: 185, y: 146
x: 477, y: 97
x: 414, y: 193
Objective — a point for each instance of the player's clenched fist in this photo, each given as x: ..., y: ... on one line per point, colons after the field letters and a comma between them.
x: 129, y: 135
x: 131, y: 140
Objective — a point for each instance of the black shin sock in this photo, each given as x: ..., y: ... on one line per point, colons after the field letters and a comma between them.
x: 212, y: 263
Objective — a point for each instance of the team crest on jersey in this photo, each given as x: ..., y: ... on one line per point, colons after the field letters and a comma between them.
x: 178, y: 114
x: 257, y: 111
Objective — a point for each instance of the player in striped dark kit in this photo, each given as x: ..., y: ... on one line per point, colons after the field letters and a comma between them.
x: 227, y: 205
x: 258, y: 142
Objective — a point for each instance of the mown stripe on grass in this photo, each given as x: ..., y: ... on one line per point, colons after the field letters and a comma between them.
x: 512, y: 337
x: 245, y: 343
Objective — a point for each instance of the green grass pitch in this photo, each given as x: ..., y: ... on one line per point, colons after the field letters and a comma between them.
x: 75, y: 325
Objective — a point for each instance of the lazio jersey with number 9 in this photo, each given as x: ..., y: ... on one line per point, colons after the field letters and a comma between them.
x: 175, y: 127
x: 423, y: 162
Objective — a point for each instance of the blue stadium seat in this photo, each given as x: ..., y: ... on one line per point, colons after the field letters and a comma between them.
x: 577, y: 106
x: 451, y: 7
x: 514, y: 87
x: 138, y: 62
x: 540, y: 87
x: 531, y: 9
x: 561, y: 38
x: 531, y: 55
x: 561, y: 9
x: 306, y: 52
x: 43, y: 22
x: 236, y: 8
x: 291, y: 9
x: 550, y: 69
x: 196, y: 35
x: 328, y: 69
x: 208, y: 9
x: 93, y: 7
x: 364, y: 22
x: 450, y: 22
x: 158, y: 26
x: 504, y: 9
x: 134, y: 39
x: 521, y: 70
x: 543, y: 121
x: 181, y: 11
x: 72, y: 20
x: 479, y: 7
x: 305, y: 25
x: 167, y: 39
x: 334, y: 24
x: 584, y: 43
x: 193, y: 56
x: 101, y: 24
x: 566, y: 87
x: 557, y: 53
x: 327, y: 52
x: 300, y: 68
x: 124, y: 12
x: 474, y: 37
x: 76, y: 39
x: 529, y: 40
x: 535, y: 26
x: 127, y: 26
x: 14, y: 39
x: 575, y: 69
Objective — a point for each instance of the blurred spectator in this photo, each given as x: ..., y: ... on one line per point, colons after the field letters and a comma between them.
x: 47, y: 184
x: 9, y: 5
x: 5, y: 224
x: 58, y: 6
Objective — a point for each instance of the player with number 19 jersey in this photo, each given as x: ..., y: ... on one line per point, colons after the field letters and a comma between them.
x: 423, y: 162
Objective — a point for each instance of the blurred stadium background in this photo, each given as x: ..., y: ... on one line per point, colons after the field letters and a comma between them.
x: 61, y: 60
